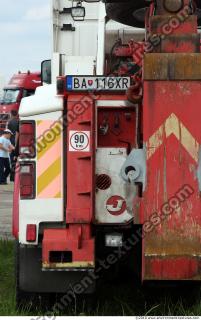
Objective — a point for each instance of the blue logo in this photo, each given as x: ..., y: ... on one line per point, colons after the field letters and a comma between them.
x: 69, y: 83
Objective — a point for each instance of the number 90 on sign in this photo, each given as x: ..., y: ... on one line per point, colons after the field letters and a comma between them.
x: 79, y: 141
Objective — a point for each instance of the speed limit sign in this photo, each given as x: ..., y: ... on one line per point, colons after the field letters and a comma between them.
x: 79, y: 141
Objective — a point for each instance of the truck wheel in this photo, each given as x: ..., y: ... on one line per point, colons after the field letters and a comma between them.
x: 131, y: 12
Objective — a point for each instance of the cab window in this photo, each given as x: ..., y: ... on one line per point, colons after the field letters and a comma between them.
x: 10, y: 96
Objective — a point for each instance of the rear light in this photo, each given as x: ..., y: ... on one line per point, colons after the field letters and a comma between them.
x: 27, y: 139
x: 27, y: 181
x: 31, y: 233
x: 113, y: 240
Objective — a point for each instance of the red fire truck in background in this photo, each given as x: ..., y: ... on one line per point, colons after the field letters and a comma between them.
x: 21, y: 85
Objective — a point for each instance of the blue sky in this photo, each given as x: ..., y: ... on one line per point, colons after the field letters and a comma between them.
x: 25, y: 35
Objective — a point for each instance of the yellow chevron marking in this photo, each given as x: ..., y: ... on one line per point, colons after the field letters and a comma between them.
x: 173, y: 125
x: 49, y: 175
x: 48, y: 139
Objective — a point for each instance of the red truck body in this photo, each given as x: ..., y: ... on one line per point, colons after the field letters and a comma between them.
x: 21, y: 85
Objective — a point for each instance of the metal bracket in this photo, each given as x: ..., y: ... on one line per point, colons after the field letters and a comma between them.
x: 68, y: 27
x: 65, y: 11
x: 134, y: 168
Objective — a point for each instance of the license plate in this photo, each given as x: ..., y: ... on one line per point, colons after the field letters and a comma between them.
x: 98, y: 83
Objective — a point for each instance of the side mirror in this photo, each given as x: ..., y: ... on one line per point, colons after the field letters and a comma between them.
x: 46, y: 72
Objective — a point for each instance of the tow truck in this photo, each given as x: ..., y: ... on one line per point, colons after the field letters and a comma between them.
x: 110, y: 160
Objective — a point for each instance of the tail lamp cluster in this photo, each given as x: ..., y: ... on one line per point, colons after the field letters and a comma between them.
x: 27, y: 165
x: 27, y: 139
x: 27, y: 169
x: 27, y: 180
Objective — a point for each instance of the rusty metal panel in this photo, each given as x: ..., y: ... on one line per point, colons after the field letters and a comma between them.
x: 172, y: 136
x: 177, y: 43
x: 176, y: 268
x: 162, y: 25
x: 172, y: 66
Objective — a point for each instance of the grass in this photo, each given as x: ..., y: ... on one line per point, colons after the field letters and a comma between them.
x: 121, y: 297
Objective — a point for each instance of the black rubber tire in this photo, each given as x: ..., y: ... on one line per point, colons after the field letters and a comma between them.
x: 123, y: 12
